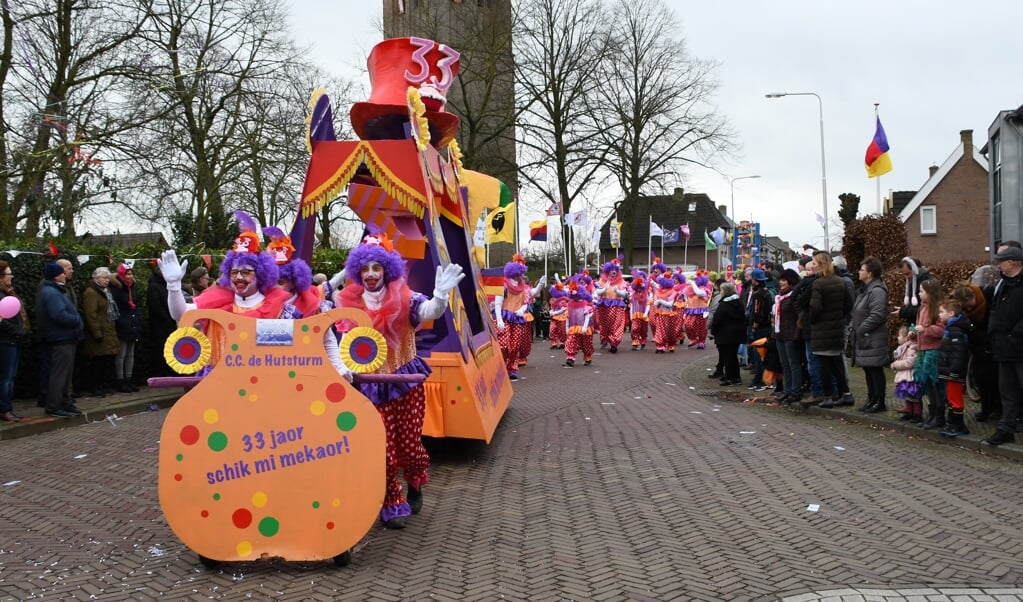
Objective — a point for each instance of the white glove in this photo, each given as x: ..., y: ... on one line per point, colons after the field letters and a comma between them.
x: 623, y: 293
x: 598, y: 291
x: 542, y: 281
x: 337, y: 280
x: 557, y: 278
x: 586, y: 323
x: 448, y: 278
x: 173, y: 272
x: 701, y: 293
x: 558, y: 312
x: 330, y: 345
x: 521, y: 312
x: 498, y: 303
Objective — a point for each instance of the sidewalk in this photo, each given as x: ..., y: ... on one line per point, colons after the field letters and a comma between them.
x: 36, y: 421
x: 888, y: 420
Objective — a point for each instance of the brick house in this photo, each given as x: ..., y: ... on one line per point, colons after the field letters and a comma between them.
x: 948, y: 219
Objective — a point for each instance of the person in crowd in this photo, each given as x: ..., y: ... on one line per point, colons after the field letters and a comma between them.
x: 663, y: 310
x: 729, y: 330
x: 377, y: 286
x: 714, y: 302
x: 13, y: 331
x: 928, y: 332
x: 542, y: 315
x: 953, y: 361
x: 842, y: 271
x: 830, y: 301
x: 758, y: 319
x: 44, y: 352
x: 511, y: 311
x: 1005, y: 326
x: 61, y: 328
x: 610, y: 299
x: 870, y: 333
x: 913, y: 270
x: 579, y: 323
x: 198, y: 281
x: 787, y: 339
x: 129, y: 326
x: 99, y: 310
x: 639, y: 311
x: 161, y: 324
x: 907, y: 389
x: 976, y: 304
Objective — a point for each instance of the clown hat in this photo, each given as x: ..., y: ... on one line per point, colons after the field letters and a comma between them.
x: 395, y: 65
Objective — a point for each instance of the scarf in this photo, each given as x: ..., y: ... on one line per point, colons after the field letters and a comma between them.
x: 130, y: 287
x: 112, y: 313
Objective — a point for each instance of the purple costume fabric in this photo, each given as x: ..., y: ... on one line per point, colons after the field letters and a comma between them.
x: 381, y: 393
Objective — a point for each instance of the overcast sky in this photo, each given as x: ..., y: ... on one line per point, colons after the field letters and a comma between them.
x: 936, y: 67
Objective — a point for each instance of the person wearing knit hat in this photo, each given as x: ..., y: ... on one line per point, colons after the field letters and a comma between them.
x: 377, y: 286
x: 559, y: 314
x: 511, y: 312
x: 579, y: 323
x: 698, y: 294
x: 129, y: 325
x: 61, y: 328
x: 913, y: 270
x: 611, y: 294
x: 639, y: 311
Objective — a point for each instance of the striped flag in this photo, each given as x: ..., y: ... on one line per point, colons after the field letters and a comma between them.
x: 877, y: 160
x: 538, y: 231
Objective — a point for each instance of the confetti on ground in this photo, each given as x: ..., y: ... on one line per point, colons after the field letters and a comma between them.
x: 80, y: 456
x: 9, y: 483
x: 695, y: 412
x: 839, y: 448
x: 813, y: 507
x: 607, y: 403
x: 692, y: 388
x: 638, y: 397
x: 747, y: 432
x: 670, y: 384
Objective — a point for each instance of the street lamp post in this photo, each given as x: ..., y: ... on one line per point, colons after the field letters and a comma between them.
x: 731, y: 184
x: 824, y: 176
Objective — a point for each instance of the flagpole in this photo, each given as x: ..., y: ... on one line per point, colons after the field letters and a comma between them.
x: 685, y: 254
x: 878, y: 178
x: 704, y: 247
x: 649, y: 243
x: 487, y: 242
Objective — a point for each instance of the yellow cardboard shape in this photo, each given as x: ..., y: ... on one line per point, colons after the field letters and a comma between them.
x: 272, y: 455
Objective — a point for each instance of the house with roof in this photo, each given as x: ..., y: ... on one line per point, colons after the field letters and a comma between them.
x: 669, y: 213
x: 1005, y: 156
x: 949, y: 217
x: 126, y: 240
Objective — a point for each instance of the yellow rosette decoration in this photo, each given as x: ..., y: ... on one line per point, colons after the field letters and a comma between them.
x: 363, y: 349
x: 187, y: 350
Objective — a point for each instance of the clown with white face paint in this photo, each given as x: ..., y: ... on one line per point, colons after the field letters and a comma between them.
x: 513, y: 316
x: 377, y: 286
x: 611, y: 295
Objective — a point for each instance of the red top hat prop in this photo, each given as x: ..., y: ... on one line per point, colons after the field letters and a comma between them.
x: 394, y: 65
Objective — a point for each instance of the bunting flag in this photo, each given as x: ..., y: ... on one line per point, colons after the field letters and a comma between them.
x: 820, y: 220
x: 707, y: 242
x: 877, y: 161
x: 656, y: 230
x: 53, y: 249
x: 554, y: 209
x: 501, y: 224
x: 671, y: 235
x: 684, y: 229
x: 718, y: 235
x: 615, y: 231
x: 538, y: 231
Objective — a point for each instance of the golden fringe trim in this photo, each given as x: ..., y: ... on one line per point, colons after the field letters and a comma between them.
x: 579, y: 330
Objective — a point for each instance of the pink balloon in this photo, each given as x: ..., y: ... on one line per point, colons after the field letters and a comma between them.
x: 9, y: 307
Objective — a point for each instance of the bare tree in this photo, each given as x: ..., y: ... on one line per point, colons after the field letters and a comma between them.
x: 559, y: 47
x: 654, y: 105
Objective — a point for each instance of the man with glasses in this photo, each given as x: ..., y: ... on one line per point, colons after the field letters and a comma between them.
x: 1006, y: 329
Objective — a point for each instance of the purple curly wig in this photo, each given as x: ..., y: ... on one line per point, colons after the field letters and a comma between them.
x: 664, y: 282
x: 514, y: 269
x: 659, y: 266
x: 611, y: 265
x: 679, y: 277
x: 392, y: 262
x: 557, y: 291
x: 580, y: 293
x: 298, y: 273
x: 267, y: 273
x: 702, y: 280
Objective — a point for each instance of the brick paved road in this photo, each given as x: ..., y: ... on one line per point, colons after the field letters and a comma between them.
x: 612, y: 482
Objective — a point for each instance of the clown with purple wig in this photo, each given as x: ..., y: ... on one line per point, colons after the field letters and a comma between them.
x: 639, y: 310
x: 559, y: 314
x: 377, y: 286
x: 611, y: 294
x: 296, y: 277
x: 578, y: 322
x: 698, y: 294
x: 513, y: 316
x: 664, y: 315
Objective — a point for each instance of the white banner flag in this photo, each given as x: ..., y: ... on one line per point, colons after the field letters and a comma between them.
x: 615, y: 231
x: 479, y: 238
x: 576, y: 218
x: 656, y: 230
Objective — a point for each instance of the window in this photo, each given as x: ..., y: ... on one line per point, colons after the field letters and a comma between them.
x: 692, y: 206
x: 928, y: 219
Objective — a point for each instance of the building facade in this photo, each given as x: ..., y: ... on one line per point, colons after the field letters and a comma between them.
x: 1005, y: 157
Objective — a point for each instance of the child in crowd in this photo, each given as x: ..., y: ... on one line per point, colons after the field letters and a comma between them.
x: 928, y: 333
x: 953, y: 361
x: 906, y: 388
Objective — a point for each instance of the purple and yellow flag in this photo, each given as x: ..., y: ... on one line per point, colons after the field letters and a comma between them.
x: 877, y: 160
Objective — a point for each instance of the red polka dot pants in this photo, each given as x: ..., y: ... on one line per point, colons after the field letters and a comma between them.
x: 612, y: 324
x: 515, y: 341
x: 403, y: 423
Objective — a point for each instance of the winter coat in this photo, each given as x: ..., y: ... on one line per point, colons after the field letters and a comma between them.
x: 57, y: 317
x: 759, y: 308
x: 802, y: 293
x: 161, y: 324
x: 101, y: 331
x: 870, y: 326
x: 786, y: 317
x: 830, y: 302
x: 903, y: 361
x: 129, y: 319
x: 13, y: 329
x: 954, y: 353
x: 729, y: 325
x: 1005, y: 322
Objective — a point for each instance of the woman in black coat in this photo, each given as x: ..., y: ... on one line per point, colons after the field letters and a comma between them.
x: 729, y: 330
x: 129, y: 326
x: 830, y: 302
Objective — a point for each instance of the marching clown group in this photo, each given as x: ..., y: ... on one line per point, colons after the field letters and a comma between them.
x: 663, y: 306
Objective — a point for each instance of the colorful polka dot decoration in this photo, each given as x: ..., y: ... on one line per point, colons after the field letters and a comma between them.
x: 363, y: 350
x: 187, y: 350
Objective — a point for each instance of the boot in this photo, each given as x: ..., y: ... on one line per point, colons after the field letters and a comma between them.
x: 956, y: 425
x: 868, y: 408
x: 415, y: 499
x: 131, y: 386
x: 936, y: 418
x: 878, y: 407
x: 122, y: 386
